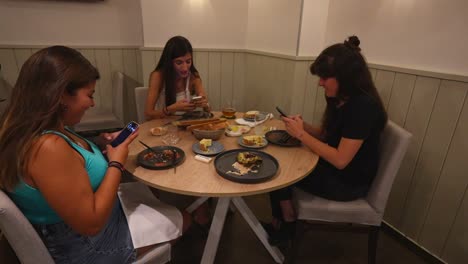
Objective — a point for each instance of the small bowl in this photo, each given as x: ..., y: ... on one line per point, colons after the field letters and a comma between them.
x: 208, y: 134
x: 158, y: 131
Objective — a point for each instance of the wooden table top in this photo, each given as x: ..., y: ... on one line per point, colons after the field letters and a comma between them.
x: 197, y: 178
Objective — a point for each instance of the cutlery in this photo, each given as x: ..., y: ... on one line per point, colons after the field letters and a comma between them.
x: 174, y: 156
x: 148, y: 147
x: 285, y: 138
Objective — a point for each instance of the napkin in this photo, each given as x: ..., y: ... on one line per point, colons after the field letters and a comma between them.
x: 242, y: 121
x: 150, y: 221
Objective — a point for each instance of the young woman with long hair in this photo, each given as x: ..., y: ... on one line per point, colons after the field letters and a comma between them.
x: 347, y: 140
x: 174, y: 82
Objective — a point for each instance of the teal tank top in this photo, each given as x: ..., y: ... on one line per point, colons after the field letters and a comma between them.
x: 30, y: 200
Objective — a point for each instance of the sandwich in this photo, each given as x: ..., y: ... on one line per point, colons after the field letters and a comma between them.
x: 252, y: 140
x: 251, y: 114
x: 205, y: 144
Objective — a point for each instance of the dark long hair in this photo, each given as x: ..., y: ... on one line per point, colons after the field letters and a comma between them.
x: 175, y: 47
x: 345, y: 62
x: 35, y: 105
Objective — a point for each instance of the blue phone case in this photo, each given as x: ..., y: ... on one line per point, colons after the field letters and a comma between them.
x: 127, y: 131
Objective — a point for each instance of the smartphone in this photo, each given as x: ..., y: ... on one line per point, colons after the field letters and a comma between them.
x: 127, y: 131
x: 195, y: 99
x: 282, y: 113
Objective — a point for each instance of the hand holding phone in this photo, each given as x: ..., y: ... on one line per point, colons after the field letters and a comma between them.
x: 282, y: 113
x: 195, y: 99
x: 127, y: 131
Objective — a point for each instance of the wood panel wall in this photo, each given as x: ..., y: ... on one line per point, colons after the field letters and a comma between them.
x: 107, y: 59
x: 429, y: 200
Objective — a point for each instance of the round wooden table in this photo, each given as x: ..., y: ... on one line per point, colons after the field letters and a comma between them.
x: 197, y: 178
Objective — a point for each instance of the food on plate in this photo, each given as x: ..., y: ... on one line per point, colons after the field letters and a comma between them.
x: 251, y: 114
x: 248, y: 158
x: 246, y: 162
x: 158, y: 131
x: 213, y: 125
x: 237, y: 128
x: 205, y: 144
x: 252, y: 140
x: 161, y: 158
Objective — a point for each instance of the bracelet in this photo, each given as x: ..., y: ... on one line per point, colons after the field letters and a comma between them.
x: 117, y: 165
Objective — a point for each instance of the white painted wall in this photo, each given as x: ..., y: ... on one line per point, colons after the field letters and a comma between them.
x: 273, y: 26
x: 427, y: 35
x: 313, y: 27
x: 206, y: 23
x: 111, y: 22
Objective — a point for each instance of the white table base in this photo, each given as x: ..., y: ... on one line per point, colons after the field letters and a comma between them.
x: 217, y: 225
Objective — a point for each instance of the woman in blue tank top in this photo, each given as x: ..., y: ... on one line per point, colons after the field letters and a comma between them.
x: 59, y: 180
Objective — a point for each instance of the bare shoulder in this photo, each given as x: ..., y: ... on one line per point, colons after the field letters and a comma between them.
x: 51, y: 147
x: 156, y: 76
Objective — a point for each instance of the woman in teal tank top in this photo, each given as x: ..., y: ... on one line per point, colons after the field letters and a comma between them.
x: 59, y: 180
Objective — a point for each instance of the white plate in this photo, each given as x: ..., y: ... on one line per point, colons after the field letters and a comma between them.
x: 240, y: 130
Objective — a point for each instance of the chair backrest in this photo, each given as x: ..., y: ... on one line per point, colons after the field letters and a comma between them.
x: 21, y: 235
x: 394, y: 142
x: 140, y: 101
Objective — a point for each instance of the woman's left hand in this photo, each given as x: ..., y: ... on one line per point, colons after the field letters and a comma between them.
x: 106, y: 138
x: 294, y: 125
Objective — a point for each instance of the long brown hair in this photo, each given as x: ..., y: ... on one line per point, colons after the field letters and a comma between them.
x: 35, y: 105
x: 345, y: 62
x: 175, y: 47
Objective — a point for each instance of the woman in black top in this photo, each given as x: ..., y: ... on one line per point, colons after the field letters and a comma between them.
x: 347, y: 140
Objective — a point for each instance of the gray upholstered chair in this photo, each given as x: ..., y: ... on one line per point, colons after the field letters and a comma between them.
x: 367, y: 213
x: 29, y: 247
x: 140, y: 101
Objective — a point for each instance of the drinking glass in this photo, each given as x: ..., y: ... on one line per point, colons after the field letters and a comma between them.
x: 171, y: 138
x: 259, y: 129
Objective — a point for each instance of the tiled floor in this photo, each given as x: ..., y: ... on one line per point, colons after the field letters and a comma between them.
x: 239, y: 245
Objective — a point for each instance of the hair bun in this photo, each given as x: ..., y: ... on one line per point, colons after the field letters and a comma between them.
x: 353, y: 43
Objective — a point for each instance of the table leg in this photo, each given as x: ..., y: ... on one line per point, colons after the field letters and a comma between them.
x: 196, y: 204
x: 257, y: 228
x: 216, y: 229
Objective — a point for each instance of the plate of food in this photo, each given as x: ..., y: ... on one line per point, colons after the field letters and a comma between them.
x: 252, y: 141
x: 253, y: 116
x: 243, y: 166
x: 207, y: 147
x: 236, y: 130
x: 282, y: 138
x: 162, y: 157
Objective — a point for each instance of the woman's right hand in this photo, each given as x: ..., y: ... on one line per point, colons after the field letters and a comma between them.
x: 120, y: 153
x: 182, y: 105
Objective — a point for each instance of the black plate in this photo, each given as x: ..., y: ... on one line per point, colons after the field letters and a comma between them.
x: 196, y: 115
x: 223, y: 163
x: 276, y: 137
x: 150, y: 164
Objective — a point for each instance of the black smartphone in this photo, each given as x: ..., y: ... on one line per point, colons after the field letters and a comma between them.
x: 282, y: 113
x: 127, y: 131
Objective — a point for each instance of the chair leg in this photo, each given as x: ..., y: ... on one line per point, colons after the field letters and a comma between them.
x: 295, y: 242
x: 372, y: 244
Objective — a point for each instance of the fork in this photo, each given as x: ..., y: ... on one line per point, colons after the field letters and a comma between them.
x: 285, y: 138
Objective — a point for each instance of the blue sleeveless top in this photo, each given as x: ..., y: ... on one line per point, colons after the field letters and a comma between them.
x: 30, y: 200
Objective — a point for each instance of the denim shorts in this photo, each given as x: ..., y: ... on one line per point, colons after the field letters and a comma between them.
x: 113, y: 244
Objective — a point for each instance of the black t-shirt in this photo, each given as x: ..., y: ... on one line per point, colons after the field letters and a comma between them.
x: 359, y: 118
